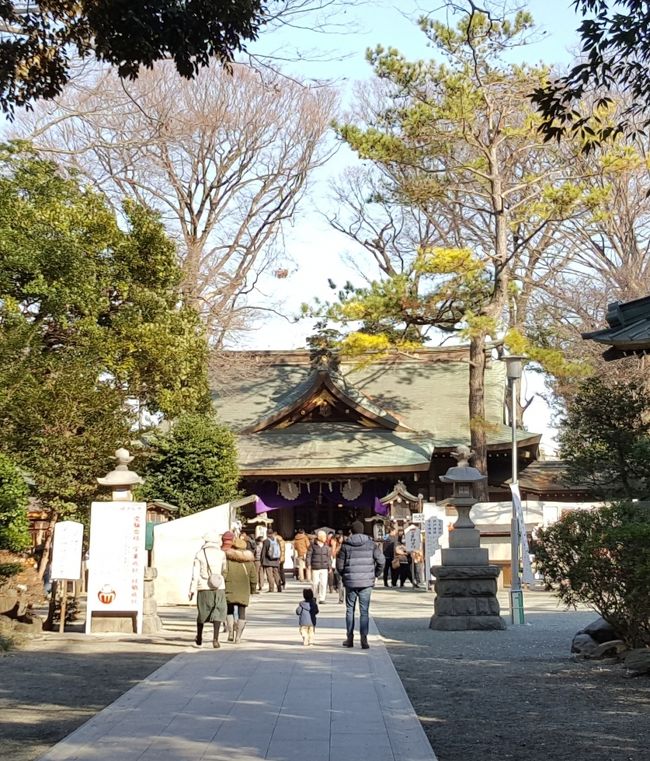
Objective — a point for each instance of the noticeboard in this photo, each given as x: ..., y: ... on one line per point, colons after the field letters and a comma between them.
x: 116, y: 560
x: 66, y: 551
x: 412, y: 539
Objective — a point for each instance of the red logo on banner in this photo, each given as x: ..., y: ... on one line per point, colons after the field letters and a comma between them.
x: 106, y: 594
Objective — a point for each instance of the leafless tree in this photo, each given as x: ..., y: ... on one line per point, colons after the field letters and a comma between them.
x: 224, y: 158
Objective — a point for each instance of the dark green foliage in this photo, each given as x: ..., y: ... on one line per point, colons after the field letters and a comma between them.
x: 90, y: 318
x: 602, y: 557
x: 7, y: 570
x: 37, y: 44
x: 615, y: 52
x: 14, y: 525
x: 605, y: 438
x: 194, y: 466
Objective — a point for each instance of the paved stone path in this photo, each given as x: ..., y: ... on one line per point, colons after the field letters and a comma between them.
x: 268, y: 698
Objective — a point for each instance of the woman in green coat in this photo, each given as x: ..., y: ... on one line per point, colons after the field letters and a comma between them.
x: 241, y: 583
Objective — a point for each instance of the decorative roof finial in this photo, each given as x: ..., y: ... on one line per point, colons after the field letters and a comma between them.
x: 463, y: 454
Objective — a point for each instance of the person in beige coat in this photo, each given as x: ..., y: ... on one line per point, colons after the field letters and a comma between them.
x: 210, y: 601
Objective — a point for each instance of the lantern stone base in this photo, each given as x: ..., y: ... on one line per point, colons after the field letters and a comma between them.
x: 466, y: 598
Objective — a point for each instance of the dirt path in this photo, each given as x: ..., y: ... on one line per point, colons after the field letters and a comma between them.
x: 514, y: 694
x: 481, y: 696
x: 58, y: 682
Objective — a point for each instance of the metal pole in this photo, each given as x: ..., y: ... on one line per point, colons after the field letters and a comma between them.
x: 516, y: 594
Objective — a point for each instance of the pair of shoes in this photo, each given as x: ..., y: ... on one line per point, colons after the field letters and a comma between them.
x: 349, y: 642
x: 364, y: 643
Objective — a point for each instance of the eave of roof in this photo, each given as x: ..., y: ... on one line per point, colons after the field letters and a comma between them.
x: 332, y: 450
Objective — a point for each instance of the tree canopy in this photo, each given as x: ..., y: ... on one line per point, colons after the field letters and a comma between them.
x: 461, y: 214
x: 14, y: 526
x: 615, y: 55
x: 193, y: 465
x: 39, y: 38
x: 605, y: 438
x: 92, y: 328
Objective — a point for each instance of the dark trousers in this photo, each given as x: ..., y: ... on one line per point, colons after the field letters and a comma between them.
x: 405, y: 574
x: 387, y: 571
x: 362, y: 596
x: 283, y: 580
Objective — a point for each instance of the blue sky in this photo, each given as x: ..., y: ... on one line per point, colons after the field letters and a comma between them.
x: 316, y: 249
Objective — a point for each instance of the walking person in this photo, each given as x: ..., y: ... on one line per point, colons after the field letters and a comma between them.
x: 338, y: 581
x: 271, y: 561
x: 403, y: 560
x: 319, y: 561
x: 209, y: 586
x: 241, y: 583
x: 360, y: 561
x: 300, y: 548
x: 259, y: 542
x: 307, y: 611
x: 283, y: 550
x: 389, y: 555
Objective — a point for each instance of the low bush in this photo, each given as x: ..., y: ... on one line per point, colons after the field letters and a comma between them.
x: 7, y: 570
x: 602, y: 557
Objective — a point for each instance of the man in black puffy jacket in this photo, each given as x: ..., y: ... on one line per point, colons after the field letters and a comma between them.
x: 359, y: 563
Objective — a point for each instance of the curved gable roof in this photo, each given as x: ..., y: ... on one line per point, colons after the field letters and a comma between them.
x: 348, y: 395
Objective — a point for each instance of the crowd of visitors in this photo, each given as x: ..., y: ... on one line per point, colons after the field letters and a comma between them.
x: 228, y: 569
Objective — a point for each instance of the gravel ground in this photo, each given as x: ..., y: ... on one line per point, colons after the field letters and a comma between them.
x: 513, y: 694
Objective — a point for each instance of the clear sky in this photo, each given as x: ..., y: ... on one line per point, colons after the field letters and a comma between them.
x: 313, y: 246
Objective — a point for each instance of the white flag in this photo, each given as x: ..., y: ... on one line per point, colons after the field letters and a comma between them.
x: 528, y: 577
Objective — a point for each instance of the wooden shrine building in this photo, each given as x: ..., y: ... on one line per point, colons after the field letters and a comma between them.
x: 321, y: 445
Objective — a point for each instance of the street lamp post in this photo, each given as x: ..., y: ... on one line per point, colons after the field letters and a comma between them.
x: 513, y: 372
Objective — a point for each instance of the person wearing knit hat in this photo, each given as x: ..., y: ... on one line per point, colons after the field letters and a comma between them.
x: 359, y: 562
x: 226, y: 540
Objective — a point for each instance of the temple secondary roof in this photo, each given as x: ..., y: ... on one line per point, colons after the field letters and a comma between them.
x: 301, y: 450
x: 295, y: 417
x: 629, y: 331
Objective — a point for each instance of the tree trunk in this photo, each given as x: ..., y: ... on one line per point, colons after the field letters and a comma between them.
x: 478, y: 436
x: 47, y: 547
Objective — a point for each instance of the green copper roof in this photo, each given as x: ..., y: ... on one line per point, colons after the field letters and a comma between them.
x: 629, y: 331
x: 427, y: 392
x: 332, y: 448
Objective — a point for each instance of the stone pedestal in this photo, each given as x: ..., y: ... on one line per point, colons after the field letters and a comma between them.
x: 466, y: 598
x: 466, y: 583
x: 151, y: 623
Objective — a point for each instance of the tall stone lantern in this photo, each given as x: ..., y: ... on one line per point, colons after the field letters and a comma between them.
x: 466, y: 583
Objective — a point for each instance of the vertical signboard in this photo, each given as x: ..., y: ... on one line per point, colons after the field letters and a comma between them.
x: 66, y: 551
x: 412, y: 539
x: 116, y: 560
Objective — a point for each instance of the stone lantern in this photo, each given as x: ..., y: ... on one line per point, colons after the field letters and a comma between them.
x: 121, y: 480
x: 466, y: 583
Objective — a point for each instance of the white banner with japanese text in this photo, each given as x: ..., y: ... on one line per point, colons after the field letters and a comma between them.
x: 116, y: 559
x: 66, y: 550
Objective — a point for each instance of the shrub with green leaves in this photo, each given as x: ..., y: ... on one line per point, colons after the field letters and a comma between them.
x: 193, y: 466
x: 14, y: 524
x: 601, y: 557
